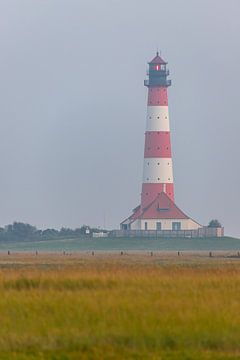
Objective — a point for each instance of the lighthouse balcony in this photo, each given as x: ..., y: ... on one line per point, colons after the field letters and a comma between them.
x: 157, y: 82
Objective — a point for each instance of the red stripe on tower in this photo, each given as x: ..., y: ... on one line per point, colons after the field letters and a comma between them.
x: 149, y: 191
x: 157, y: 144
x: 157, y: 96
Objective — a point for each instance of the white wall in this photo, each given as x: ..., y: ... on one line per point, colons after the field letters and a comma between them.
x: 136, y: 225
x: 157, y: 170
x: 157, y: 118
x: 186, y: 224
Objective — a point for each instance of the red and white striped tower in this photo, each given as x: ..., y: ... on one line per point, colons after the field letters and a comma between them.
x: 157, y: 168
x: 158, y: 210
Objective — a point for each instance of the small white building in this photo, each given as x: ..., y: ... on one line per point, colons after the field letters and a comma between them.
x: 161, y: 214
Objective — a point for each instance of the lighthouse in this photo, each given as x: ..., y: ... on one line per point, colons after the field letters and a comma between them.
x: 157, y: 210
x: 157, y: 168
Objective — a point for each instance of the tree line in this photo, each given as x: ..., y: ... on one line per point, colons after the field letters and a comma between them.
x: 22, y: 231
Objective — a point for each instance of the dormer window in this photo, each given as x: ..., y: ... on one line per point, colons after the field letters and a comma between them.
x: 162, y: 209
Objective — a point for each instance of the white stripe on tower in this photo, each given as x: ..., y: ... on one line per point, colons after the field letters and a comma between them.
x: 157, y: 118
x: 157, y: 170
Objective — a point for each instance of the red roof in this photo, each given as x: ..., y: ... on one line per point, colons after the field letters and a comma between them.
x: 135, y: 215
x: 157, y: 60
x: 162, y: 208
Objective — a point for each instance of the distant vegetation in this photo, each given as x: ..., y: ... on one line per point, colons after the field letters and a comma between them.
x: 21, y: 231
x: 214, y: 223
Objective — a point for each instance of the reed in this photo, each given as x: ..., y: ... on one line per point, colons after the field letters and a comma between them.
x: 55, y: 308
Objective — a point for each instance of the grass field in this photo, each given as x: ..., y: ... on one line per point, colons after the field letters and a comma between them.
x: 119, y: 307
x: 127, y: 244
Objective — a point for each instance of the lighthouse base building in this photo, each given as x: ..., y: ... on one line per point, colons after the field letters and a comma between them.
x: 157, y: 210
x: 161, y: 214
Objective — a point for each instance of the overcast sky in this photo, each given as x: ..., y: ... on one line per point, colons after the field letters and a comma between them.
x: 73, y: 108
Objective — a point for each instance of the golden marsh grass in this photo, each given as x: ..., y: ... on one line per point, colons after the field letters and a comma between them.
x: 119, y: 307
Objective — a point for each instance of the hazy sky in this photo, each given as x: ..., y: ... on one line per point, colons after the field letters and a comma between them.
x: 73, y: 107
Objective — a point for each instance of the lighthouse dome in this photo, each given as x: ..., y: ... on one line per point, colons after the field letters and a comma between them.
x: 158, y: 60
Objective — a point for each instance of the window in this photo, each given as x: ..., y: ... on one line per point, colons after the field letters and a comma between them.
x: 176, y: 225
x: 145, y: 226
x: 158, y: 226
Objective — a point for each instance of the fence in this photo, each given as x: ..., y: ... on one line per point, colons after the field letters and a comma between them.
x: 198, y: 233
